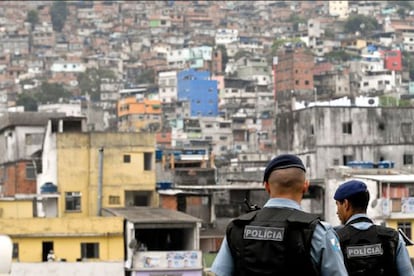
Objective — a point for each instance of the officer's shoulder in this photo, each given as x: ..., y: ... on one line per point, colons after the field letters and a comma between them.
x: 325, y: 225
x: 246, y: 217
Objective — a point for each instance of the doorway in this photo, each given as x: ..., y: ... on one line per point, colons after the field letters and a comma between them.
x: 46, y: 247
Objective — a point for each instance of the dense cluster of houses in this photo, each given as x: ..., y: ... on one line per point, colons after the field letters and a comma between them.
x: 132, y: 131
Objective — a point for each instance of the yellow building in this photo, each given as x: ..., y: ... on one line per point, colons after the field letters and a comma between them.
x: 83, y: 172
x: 71, y: 239
x: 128, y: 171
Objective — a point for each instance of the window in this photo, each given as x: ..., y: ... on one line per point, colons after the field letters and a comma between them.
x: 406, y: 227
x: 407, y: 159
x: 127, y: 158
x: 30, y: 170
x: 347, y: 158
x: 147, y: 161
x: 73, y: 201
x: 347, y: 128
x: 34, y: 139
x: 114, y: 200
x: 336, y: 162
x: 90, y: 250
x: 15, y: 254
x: 406, y: 128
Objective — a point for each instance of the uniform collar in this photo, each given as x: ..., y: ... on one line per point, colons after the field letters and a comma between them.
x: 282, y: 202
x: 356, y: 216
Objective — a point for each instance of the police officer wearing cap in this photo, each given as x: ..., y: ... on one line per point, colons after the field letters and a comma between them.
x: 368, y: 249
x: 280, y: 239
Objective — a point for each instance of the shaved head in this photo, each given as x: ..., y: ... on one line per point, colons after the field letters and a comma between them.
x: 290, y: 181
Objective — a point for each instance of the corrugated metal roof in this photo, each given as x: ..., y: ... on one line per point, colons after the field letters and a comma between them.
x: 144, y: 215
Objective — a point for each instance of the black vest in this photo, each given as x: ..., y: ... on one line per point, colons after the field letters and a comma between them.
x: 369, y: 252
x: 272, y: 241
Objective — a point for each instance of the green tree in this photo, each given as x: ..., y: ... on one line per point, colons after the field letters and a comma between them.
x: 51, y: 93
x: 146, y: 76
x: 90, y: 81
x: 242, y: 53
x: 58, y: 14
x: 402, y: 13
x: 339, y: 55
x: 28, y: 101
x: 33, y: 18
x: 279, y: 43
x: 408, y: 62
x: 361, y: 23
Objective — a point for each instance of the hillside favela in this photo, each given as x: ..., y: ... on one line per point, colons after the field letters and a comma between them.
x: 133, y: 132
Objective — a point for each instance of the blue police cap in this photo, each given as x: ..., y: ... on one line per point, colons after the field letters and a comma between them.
x: 283, y: 161
x: 349, y: 188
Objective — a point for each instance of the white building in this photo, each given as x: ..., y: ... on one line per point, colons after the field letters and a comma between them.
x: 338, y: 8
x: 67, y: 67
x: 167, y: 86
x: 226, y: 36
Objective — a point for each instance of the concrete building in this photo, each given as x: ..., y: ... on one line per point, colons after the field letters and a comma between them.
x: 22, y: 134
x: 167, y: 86
x: 325, y: 136
x: 293, y: 75
x: 139, y: 114
x: 391, y: 201
x: 339, y: 9
x: 72, y: 239
x: 200, y: 91
x: 105, y: 165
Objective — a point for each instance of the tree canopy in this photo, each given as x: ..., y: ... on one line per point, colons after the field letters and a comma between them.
x: 58, y: 14
x: 32, y: 17
x: 46, y: 93
x: 360, y: 23
x: 90, y: 81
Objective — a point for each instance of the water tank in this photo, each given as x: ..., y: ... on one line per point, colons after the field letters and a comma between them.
x: 386, y: 164
x: 48, y: 188
x: 163, y: 185
x: 158, y: 155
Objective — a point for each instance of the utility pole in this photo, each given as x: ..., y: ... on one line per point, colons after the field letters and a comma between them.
x: 100, y: 174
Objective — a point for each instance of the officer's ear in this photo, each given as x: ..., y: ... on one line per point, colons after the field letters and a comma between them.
x: 267, y: 187
x: 346, y: 204
x: 305, y: 186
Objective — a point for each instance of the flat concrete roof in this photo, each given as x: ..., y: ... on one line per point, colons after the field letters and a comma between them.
x: 153, y: 216
x: 397, y: 178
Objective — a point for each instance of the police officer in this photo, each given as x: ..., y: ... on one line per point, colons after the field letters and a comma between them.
x: 368, y: 249
x: 280, y: 239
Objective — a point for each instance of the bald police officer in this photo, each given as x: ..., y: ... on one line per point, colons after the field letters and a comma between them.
x: 368, y: 249
x: 280, y: 239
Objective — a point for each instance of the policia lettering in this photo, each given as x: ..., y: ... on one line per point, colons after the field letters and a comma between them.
x: 364, y: 251
x: 263, y: 233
